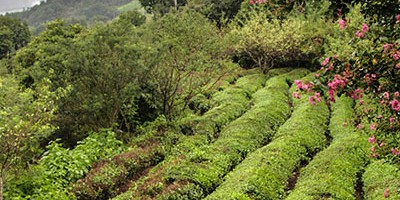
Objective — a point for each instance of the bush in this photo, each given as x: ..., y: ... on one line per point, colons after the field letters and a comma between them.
x: 334, y: 172
x: 206, y: 166
x: 380, y: 180
x: 270, y: 42
x: 263, y: 173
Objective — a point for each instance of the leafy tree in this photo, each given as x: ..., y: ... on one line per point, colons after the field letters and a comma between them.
x: 14, y: 34
x: 25, y: 120
x: 220, y: 11
x: 161, y: 6
x: 186, y: 53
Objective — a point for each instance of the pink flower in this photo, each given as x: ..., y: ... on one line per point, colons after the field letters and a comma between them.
x: 359, y: 126
x: 381, y: 144
x: 396, y: 56
x: 311, y: 100
x: 360, y: 34
x: 386, y: 193
x: 386, y: 47
x: 375, y: 155
x: 316, y: 98
x: 397, y: 94
x: 373, y: 149
x: 357, y: 94
x: 392, y: 119
x: 373, y: 127
x: 325, y: 62
x: 361, y: 102
x: 251, y: 2
x: 395, y: 105
x: 398, y: 18
x: 394, y: 152
x: 317, y: 75
x: 372, y: 140
x: 296, y: 95
x: 386, y: 95
x: 380, y: 116
x: 364, y: 28
x: 298, y: 83
x: 342, y: 24
x: 331, y: 95
x: 398, y: 65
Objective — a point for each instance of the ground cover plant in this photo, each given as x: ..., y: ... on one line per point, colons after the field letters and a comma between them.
x: 263, y: 174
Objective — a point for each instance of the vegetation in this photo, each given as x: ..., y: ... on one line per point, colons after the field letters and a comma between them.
x: 171, y: 99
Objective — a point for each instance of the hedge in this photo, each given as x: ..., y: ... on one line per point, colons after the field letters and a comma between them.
x: 378, y: 178
x: 263, y: 174
x: 228, y: 105
x: 334, y: 172
x: 232, y: 102
x: 206, y: 166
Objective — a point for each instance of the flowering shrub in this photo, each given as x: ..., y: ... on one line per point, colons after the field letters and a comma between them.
x: 369, y: 64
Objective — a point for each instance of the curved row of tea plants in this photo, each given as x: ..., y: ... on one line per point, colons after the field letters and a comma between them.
x: 106, y: 179
x: 199, y: 172
x: 381, y: 181
x: 265, y: 172
x: 335, y: 171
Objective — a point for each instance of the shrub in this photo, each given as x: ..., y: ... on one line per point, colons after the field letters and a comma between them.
x: 263, y: 173
x: 270, y: 42
x: 333, y: 173
x: 381, y: 181
x: 207, y: 165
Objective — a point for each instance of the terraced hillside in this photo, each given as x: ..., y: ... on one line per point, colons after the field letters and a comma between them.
x: 251, y: 140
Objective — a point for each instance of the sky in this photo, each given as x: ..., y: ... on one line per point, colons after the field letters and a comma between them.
x: 16, y: 5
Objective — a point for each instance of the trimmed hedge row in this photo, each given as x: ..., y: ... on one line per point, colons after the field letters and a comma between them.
x: 206, y: 166
x: 105, y: 178
x: 380, y: 177
x: 230, y: 103
x: 333, y: 173
x: 160, y: 182
x: 264, y: 173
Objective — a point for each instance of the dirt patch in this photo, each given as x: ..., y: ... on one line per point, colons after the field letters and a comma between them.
x: 154, y: 184
x: 292, y: 181
x: 359, y: 186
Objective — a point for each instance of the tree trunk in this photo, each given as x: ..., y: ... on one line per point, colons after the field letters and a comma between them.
x: 176, y: 8
x: 1, y: 188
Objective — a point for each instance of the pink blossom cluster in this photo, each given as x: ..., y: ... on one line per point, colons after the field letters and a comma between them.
x: 337, y: 82
x: 398, y: 19
x: 361, y: 33
x: 342, y: 24
x: 314, y: 99
x: 306, y: 87
x: 252, y: 2
x: 395, y: 151
x: 368, y: 78
x: 391, y: 51
x: 394, y: 103
x: 357, y: 94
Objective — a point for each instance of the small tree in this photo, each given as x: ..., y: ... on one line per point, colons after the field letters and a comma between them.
x: 186, y: 55
x: 24, y: 119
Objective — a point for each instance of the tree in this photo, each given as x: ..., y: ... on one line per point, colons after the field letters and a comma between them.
x: 25, y: 117
x: 14, y: 34
x: 186, y: 54
x: 161, y: 6
x: 220, y: 11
